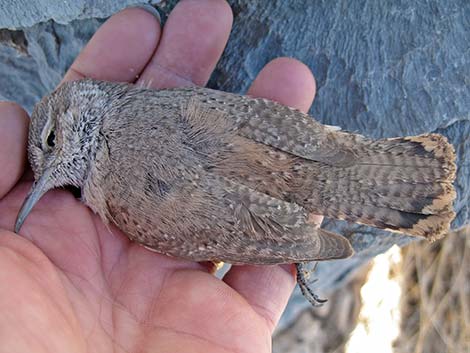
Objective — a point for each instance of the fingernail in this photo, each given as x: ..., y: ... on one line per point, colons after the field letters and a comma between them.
x: 150, y: 9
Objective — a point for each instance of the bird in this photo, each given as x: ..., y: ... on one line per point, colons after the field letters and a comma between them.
x: 207, y: 175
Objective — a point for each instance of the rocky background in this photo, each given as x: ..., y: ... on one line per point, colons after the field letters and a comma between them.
x: 383, y: 68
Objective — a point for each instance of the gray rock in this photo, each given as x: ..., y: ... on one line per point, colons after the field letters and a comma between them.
x: 383, y: 69
x: 51, y: 48
x: 325, y: 329
x: 23, y: 13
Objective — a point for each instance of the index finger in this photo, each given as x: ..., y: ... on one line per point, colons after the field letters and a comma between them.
x: 120, y: 49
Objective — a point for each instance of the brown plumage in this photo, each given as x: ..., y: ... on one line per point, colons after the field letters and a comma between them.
x: 208, y: 175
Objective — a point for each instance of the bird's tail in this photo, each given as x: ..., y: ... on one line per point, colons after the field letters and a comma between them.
x: 400, y: 184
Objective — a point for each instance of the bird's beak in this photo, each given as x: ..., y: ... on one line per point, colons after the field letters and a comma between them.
x: 39, y: 188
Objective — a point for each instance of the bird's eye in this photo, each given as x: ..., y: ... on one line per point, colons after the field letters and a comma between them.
x: 51, y: 139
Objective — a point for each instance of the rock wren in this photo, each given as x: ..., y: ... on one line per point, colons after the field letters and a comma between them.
x: 207, y: 175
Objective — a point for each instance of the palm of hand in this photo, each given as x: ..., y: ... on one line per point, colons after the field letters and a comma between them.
x: 72, y: 283
x: 98, y: 290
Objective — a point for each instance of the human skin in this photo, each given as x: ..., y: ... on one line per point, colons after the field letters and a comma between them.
x: 69, y: 283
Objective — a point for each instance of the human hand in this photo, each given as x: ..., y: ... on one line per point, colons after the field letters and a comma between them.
x: 69, y: 284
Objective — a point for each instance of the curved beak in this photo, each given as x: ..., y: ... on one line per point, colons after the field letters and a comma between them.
x: 39, y: 188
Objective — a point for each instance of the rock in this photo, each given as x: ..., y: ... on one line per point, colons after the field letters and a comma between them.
x: 51, y: 48
x: 388, y: 69
x: 17, y: 14
x: 325, y: 329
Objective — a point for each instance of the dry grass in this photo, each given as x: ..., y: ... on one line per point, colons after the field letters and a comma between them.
x: 435, y: 303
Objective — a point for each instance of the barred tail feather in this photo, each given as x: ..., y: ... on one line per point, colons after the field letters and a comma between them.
x: 400, y: 184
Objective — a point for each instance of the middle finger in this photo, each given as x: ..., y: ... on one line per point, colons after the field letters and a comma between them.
x: 192, y: 41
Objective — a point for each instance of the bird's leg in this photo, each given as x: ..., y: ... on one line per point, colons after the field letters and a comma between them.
x: 307, y: 292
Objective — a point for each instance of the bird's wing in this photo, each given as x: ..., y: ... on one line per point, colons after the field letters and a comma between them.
x: 276, y: 125
x: 267, y: 230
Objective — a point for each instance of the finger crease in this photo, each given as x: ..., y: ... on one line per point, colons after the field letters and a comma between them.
x: 186, y: 78
x: 266, y: 314
x: 77, y: 72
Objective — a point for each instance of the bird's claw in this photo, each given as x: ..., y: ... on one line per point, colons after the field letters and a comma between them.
x: 307, y: 292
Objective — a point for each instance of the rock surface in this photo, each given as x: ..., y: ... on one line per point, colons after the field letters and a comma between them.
x: 325, y: 329
x: 394, y: 68
x: 23, y: 13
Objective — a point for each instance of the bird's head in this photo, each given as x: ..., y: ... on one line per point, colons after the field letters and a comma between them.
x: 63, y: 137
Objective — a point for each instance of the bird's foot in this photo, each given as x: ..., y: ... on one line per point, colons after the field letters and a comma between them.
x: 302, y: 279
